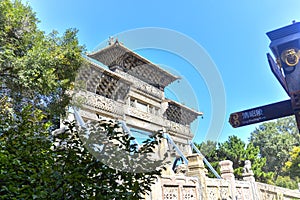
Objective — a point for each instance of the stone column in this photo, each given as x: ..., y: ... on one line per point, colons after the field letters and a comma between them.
x: 226, y: 170
x: 197, y: 169
x: 227, y: 174
x: 163, y: 149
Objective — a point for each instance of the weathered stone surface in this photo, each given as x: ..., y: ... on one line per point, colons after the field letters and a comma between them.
x: 175, y: 188
x: 197, y: 169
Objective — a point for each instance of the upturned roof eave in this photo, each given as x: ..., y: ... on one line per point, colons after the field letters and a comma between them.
x: 126, y: 50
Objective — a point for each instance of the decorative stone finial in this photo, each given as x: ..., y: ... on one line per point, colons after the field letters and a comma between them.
x: 196, y: 168
x: 227, y: 174
x: 227, y: 170
x: 112, y: 41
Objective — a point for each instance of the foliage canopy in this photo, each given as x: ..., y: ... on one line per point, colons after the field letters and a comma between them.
x: 238, y: 152
x: 36, y: 73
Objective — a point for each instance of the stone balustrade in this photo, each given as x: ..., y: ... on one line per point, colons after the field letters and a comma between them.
x: 196, y: 185
x: 177, y: 187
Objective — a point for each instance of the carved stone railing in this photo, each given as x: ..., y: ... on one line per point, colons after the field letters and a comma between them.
x: 222, y: 189
x: 244, y: 190
x: 228, y: 188
x: 175, y: 188
x: 217, y: 189
x: 274, y: 192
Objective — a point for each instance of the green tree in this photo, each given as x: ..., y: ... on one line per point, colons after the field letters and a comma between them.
x: 36, y: 73
x: 35, y: 164
x: 275, y: 140
x: 238, y: 152
x: 35, y: 68
x: 209, y: 150
x: 24, y: 154
x: 291, y: 170
x: 79, y: 174
x: 287, y: 182
x: 292, y: 166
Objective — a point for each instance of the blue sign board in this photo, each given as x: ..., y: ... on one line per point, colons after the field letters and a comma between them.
x: 285, y: 45
x: 261, y: 114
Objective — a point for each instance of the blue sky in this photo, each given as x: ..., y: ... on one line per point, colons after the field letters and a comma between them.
x: 232, y: 32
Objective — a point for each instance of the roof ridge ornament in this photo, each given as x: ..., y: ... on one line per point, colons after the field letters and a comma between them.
x: 117, y: 42
x: 112, y: 41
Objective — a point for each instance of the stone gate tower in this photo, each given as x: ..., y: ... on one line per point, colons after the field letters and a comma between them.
x: 119, y: 84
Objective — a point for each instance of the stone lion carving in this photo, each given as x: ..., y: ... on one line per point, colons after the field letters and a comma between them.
x: 247, y: 167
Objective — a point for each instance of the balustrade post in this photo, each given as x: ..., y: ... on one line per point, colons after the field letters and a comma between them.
x: 248, y: 174
x: 197, y: 169
x: 227, y: 174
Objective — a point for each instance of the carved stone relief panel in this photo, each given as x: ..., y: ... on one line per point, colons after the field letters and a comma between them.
x: 101, y: 103
x: 189, y: 193
x: 151, y: 118
x: 212, y: 193
x: 224, y: 192
x: 243, y: 190
x: 171, y: 193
